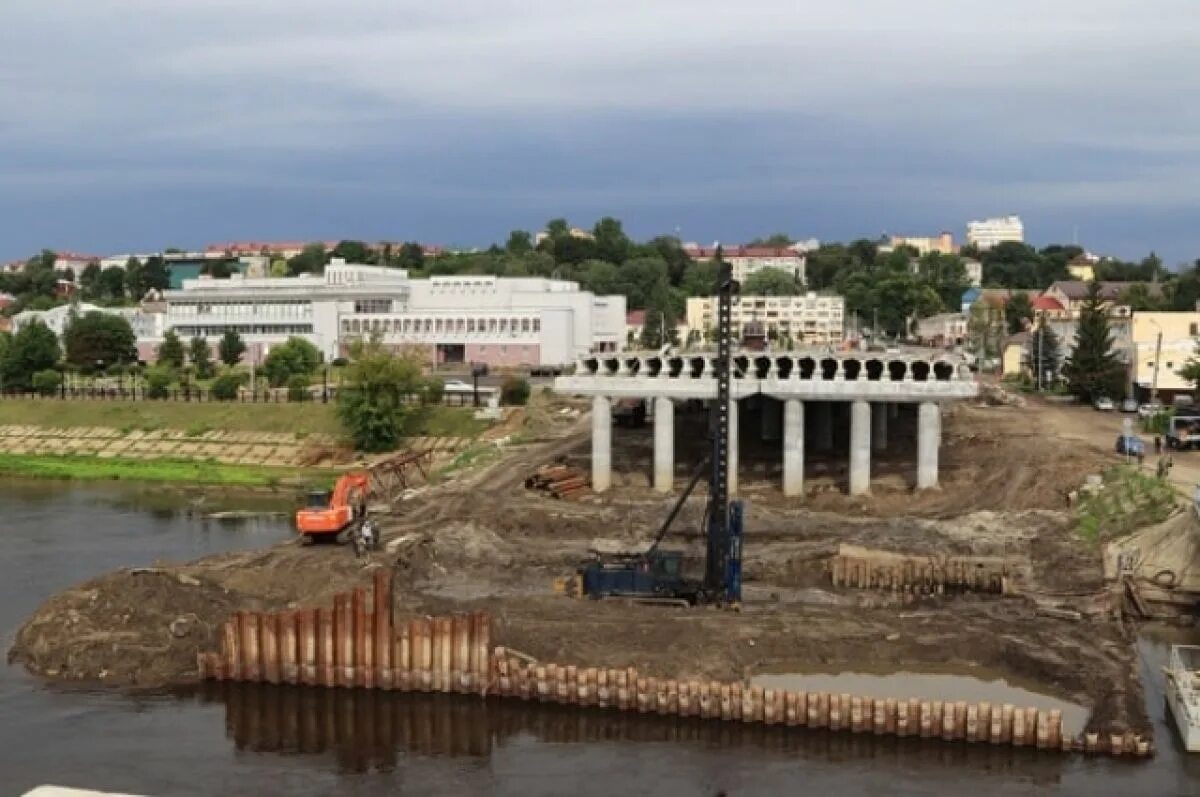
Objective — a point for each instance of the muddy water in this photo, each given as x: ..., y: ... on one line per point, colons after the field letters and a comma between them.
x: 255, y: 740
x: 973, y: 688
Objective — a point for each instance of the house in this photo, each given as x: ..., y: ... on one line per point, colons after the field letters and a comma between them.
x: 635, y: 322
x: 1082, y: 268
x: 944, y: 329
x: 746, y: 260
x: 1161, y: 343
x: 943, y: 243
x: 1073, y: 293
x: 1013, y: 355
x: 7, y: 300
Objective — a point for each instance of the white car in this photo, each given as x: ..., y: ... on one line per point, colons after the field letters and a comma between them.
x: 458, y: 384
x: 1150, y: 410
x: 1104, y: 403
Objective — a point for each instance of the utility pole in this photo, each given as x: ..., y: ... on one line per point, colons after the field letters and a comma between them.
x: 1157, y: 357
x: 1041, y: 337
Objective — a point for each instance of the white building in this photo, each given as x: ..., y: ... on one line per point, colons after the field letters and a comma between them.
x: 524, y: 321
x: 986, y: 233
x: 974, y: 272
x: 943, y: 329
x: 746, y: 260
x: 145, y: 325
x: 808, y: 320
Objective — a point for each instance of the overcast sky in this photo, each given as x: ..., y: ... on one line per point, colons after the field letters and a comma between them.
x: 134, y: 124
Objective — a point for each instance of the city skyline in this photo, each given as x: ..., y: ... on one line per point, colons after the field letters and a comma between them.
x: 145, y: 127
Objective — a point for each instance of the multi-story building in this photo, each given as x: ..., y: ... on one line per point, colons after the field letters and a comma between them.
x: 986, y: 233
x: 807, y: 320
x: 942, y: 243
x: 746, y: 260
x: 943, y: 329
x: 974, y: 271
x: 485, y: 319
x: 148, y: 326
x: 74, y: 262
x: 1161, y: 343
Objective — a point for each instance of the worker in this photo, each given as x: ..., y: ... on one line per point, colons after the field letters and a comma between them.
x: 368, y: 534
x: 1157, y: 445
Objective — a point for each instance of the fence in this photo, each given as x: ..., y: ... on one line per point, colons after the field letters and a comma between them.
x: 202, y: 395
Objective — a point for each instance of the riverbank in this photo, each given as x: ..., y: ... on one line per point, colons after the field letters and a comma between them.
x: 91, y: 468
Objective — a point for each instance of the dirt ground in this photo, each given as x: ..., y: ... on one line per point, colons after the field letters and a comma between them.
x: 479, y: 540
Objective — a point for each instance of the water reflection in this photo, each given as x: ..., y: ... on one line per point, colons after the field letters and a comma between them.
x: 366, y: 730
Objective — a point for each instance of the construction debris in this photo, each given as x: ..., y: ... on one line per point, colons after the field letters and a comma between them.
x: 866, y: 568
x: 560, y: 481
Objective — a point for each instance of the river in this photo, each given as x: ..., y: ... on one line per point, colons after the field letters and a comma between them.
x: 253, y: 740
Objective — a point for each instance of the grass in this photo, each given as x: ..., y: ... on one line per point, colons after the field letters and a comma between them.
x: 1128, y: 500
x: 150, y: 470
x: 308, y: 418
x: 442, y: 421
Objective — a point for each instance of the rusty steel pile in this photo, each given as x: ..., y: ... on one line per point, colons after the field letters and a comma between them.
x: 867, y: 569
x: 560, y: 481
x: 350, y: 646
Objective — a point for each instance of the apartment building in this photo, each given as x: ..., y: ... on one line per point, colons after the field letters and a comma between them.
x: 499, y: 321
x: 986, y: 233
x: 943, y: 243
x: 746, y: 260
x: 807, y: 320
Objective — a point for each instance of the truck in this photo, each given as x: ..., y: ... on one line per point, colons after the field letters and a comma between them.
x: 1183, y: 432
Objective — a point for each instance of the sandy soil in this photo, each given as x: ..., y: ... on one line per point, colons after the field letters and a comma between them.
x: 482, y: 541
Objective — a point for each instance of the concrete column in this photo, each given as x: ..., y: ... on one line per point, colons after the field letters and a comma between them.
x: 601, y: 443
x: 770, y: 419
x: 733, y: 447
x: 822, y: 418
x: 860, y: 448
x: 893, y: 410
x: 879, y: 424
x: 793, y: 447
x: 664, y: 444
x: 929, y: 439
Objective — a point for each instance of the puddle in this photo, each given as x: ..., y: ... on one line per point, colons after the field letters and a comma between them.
x: 926, y: 686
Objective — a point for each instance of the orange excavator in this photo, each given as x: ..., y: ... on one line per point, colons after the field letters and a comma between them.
x: 335, y: 514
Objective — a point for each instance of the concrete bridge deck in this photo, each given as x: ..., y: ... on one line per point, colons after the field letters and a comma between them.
x: 873, y: 384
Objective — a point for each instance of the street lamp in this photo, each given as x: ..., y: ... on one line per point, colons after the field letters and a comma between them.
x: 1157, y: 358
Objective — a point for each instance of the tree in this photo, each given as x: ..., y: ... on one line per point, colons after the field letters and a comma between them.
x: 296, y: 356
x: 170, y: 351
x: 34, y: 348
x: 218, y: 269
x: 279, y: 268
x: 156, y: 274
x: 311, y: 260
x: 158, y: 382
x: 226, y: 386
x: 662, y: 318
x: 231, y: 348
x: 99, y: 339
x: 201, y: 357
x: 370, y: 403
x: 771, y: 282
x: 351, y: 251
x: 1093, y: 370
x: 1139, y: 298
x: 612, y: 244
x: 112, y: 283
x: 135, y: 278
x: 89, y: 281
x: 1018, y: 312
x: 411, y: 256
x: 1043, y: 353
x: 700, y: 279
x: 1012, y: 265
x: 297, y: 387
x: 46, y: 382
x: 779, y: 240
x: 514, y: 391
x: 520, y: 242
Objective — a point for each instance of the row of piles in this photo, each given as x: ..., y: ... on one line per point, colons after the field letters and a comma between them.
x: 560, y: 481
x: 920, y: 576
x: 352, y: 645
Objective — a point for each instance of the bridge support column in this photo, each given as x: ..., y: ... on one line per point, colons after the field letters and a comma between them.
x: 893, y: 410
x: 733, y: 447
x: 929, y: 439
x: 879, y: 424
x: 664, y: 444
x: 793, y: 447
x: 860, y: 448
x: 601, y: 443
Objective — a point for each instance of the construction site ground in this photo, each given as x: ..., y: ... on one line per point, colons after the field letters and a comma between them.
x: 479, y: 540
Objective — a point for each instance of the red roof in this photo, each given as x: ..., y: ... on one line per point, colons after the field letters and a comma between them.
x: 75, y: 256
x: 636, y: 318
x: 1046, y: 303
x: 705, y: 252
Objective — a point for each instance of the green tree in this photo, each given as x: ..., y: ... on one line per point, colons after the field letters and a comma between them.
x: 296, y: 356
x: 112, y: 283
x: 279, y: 268
x: 201, y: 356
x: 47, y: 382
x: 135, y: 278
x: 231, y: 348
x: 612, y: 244
x: 170, y: 351
x: 89, y: 281
x: 158, y: 382
x: 640, y: 278
x: 662, y: 318
x: 351, y: 251
x: 156, y: 274
x: 226, y: 386
x: 520, y: 242
x: 1092, y: 369
x: 33, y: 348
x: 1018, y: 312
x: 700, y: 279
x: 772, y: 282
x: 411, y: 256
x: 514, y: 390
x: 99, y: 339
x: 779, y: 240
x: 311, y: 260
x: 1043, y: 352
x: 297, y: 387
x: 1140, y: 299
x: 370, y: 402
x: 599, y: 276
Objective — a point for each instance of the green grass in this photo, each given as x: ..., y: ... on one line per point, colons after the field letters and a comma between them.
x: 441, y: 421
x: 1129, y: 499
x: 307, y: 418
x: 150, y: 470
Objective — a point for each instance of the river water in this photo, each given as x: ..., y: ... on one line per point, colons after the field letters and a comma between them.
x: 254, y: 740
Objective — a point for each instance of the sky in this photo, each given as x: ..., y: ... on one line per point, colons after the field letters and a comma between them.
x: 129, y: 125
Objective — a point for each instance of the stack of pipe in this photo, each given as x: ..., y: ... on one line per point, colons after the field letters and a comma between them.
x: 560, y: 481
x: 919, y: 575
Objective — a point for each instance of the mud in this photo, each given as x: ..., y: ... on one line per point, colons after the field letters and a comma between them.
x: 480, y: 541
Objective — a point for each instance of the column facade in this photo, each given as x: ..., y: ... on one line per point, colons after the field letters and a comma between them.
x: 793, y: 447
x: 929, y: 440
x: 601, y: 443
x: 860, y: 448
x: 879, y: 424
x: 664, y: 444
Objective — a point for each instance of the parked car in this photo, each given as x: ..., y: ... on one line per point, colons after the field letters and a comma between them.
x: 1129, y: 405
x: 1104, y: 403
x: 1130, y: 445
x: 457, y: 384
x: 1149, y: 410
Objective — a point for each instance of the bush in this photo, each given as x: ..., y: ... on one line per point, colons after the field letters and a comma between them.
x: 434, y: 390
x: 297, y: 356
x: 158, y: 382
x: 47, y: 382
x: 225, y: 387
x: 515, y: 390
x: 297, y: 387
x: 340, y: 362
